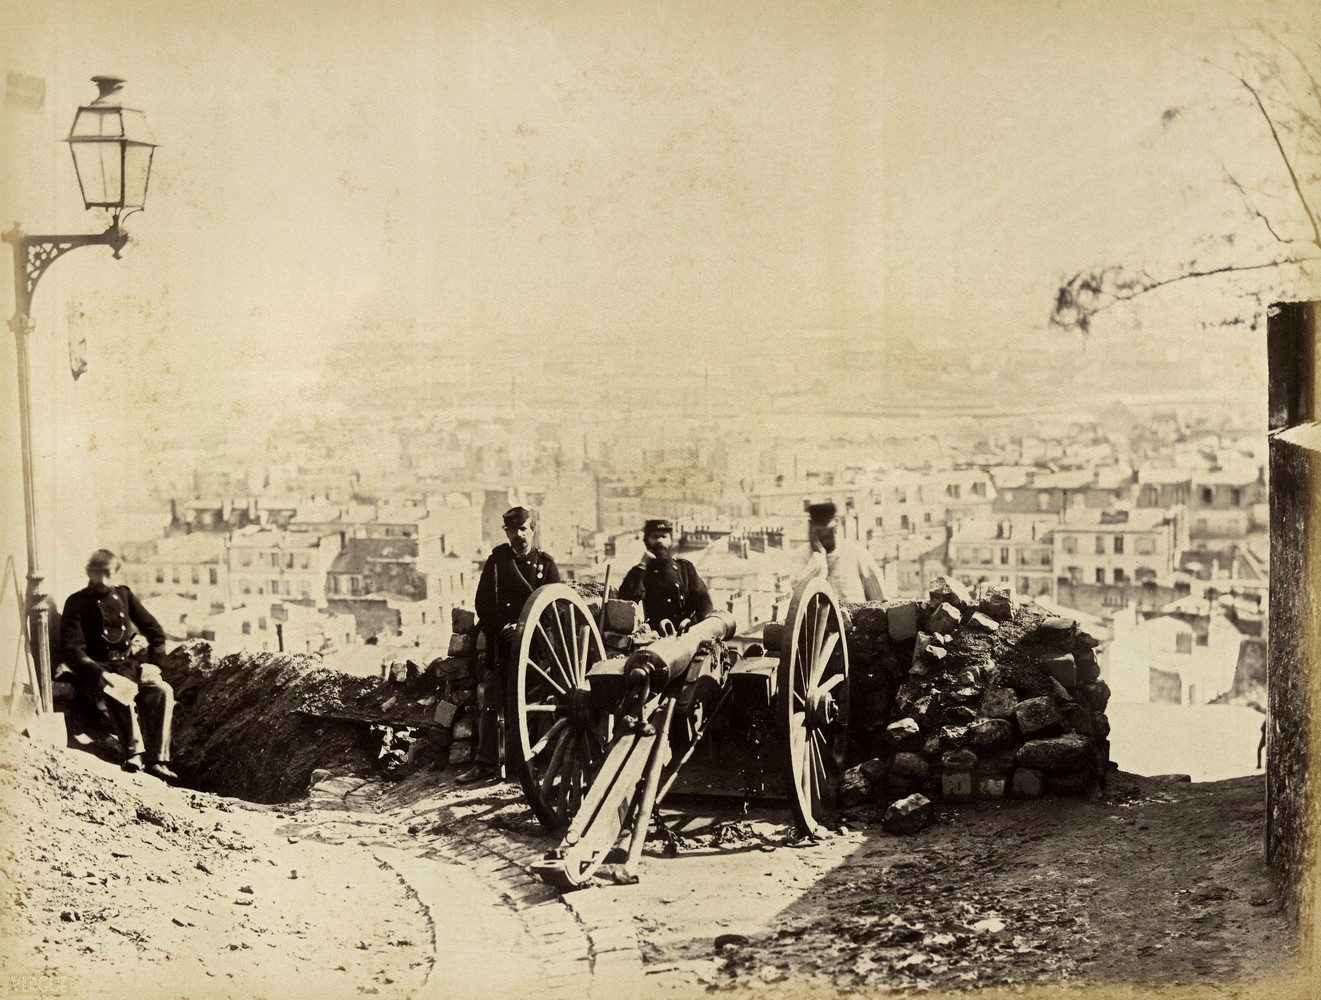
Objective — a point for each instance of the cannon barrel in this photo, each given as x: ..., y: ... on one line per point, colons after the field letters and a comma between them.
x: 669, y: 656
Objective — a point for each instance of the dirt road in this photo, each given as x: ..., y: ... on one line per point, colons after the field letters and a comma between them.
x: 117, y: 886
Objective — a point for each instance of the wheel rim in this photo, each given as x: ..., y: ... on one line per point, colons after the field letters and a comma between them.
x: 556, y: 740
x: 814, y: 703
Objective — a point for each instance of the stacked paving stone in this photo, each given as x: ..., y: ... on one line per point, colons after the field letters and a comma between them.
x: 962, y: 697
x: 460, y: 694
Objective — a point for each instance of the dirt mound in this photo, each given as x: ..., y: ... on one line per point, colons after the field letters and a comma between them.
x: 242, y: 724
x: 73, y: 834
x: 119, y: 886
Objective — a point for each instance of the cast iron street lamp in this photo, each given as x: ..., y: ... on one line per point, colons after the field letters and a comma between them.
x: 112, y: 150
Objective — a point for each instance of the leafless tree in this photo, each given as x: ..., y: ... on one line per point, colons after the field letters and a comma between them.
x: 1280, y: 74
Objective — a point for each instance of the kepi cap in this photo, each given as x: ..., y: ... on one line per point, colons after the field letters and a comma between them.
x: 516, y: 517
x: 822, y: 513
x: 101, y: 559
x: 658, y: 524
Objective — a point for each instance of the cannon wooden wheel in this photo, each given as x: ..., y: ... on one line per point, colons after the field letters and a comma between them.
x: 555, y: 739
x: 814, y: 703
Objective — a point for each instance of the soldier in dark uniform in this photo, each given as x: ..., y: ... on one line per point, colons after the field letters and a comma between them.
x: 97, y: 629
x: 511, y: 573
x: 668, y: 587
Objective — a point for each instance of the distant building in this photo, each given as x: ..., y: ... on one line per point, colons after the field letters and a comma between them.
x: 1119, y: 547
x: 274, y: 563
x: 188, y: 565
x: 1163, y: 487
x: 1188, y: 654
x: 1044, y: 492
x: 751, y: 585
x: 209, y: 514
x: 1223, y: 503
x: 916, y: 563
x: 372, y: 565
x: 252, y: 629
x: 880, y: 509
x: 904, y: 504
x: 1019, y: 554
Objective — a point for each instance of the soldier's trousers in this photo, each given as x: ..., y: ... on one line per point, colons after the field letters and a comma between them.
x: 145, y: 727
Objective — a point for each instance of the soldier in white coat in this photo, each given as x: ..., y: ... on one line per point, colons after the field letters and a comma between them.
x: 846, y: 563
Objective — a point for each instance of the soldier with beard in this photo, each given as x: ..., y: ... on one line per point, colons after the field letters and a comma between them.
x: 668, y: 587
x: 847, y: 564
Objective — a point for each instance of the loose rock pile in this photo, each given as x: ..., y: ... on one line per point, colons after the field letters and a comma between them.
x: 965, y: 698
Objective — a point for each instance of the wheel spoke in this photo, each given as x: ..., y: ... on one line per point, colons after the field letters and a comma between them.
x: 820, y: 618
x: 585, y: 645
x: 820, y: 779
x: 807, y: 772
x: 831, y: 763
x: 553, y: 651
x: 549, y: 680
x: 547, y: 707
x: 575, y: 659
x: 827, y: 651
x: 830, y: 683
x: 542, y: 743
x: 556, y: 762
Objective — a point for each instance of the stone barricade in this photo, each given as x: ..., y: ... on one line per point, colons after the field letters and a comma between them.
x: 967, y: 696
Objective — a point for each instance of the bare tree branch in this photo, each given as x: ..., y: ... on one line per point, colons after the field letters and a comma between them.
x: 1288, y: 163
x: 1252, y: 208
x: 1088, y: 293
x: 1316, y: 87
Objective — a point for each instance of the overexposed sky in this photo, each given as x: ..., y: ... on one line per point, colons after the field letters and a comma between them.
x: 535, y: 180
x: 514, y: 171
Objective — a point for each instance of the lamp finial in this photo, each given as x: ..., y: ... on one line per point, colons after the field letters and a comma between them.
x: 108, y: 86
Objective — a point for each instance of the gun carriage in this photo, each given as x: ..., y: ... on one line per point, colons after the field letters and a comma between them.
x: 597, y: 741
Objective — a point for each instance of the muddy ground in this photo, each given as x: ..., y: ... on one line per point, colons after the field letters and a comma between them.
x: 118, y: 886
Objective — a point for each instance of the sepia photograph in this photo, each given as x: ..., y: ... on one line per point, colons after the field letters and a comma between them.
x: 801, y: 499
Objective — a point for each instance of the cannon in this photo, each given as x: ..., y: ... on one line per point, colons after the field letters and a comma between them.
x: 598, y: 741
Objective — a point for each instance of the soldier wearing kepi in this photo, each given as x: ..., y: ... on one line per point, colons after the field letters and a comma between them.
x: 668, y: 587
x: 512, y: 571
x: 848, y: 566
x: 97, y: 629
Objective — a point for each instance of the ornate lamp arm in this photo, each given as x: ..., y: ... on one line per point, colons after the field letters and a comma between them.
x: 32, y: 255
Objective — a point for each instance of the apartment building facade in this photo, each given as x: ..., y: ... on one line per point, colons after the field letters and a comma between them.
x: 271, y: 563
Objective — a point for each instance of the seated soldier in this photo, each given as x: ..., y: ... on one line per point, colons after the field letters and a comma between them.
x: 98, y: 629
x: 668, y: 587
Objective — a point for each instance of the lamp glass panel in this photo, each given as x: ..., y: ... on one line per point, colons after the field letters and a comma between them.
x: 99, y: 172
x: 97, y: 123
x: 137, y: 171
x: 135, y: 127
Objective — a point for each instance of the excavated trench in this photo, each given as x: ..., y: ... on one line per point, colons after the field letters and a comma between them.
x: 256, y: 726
